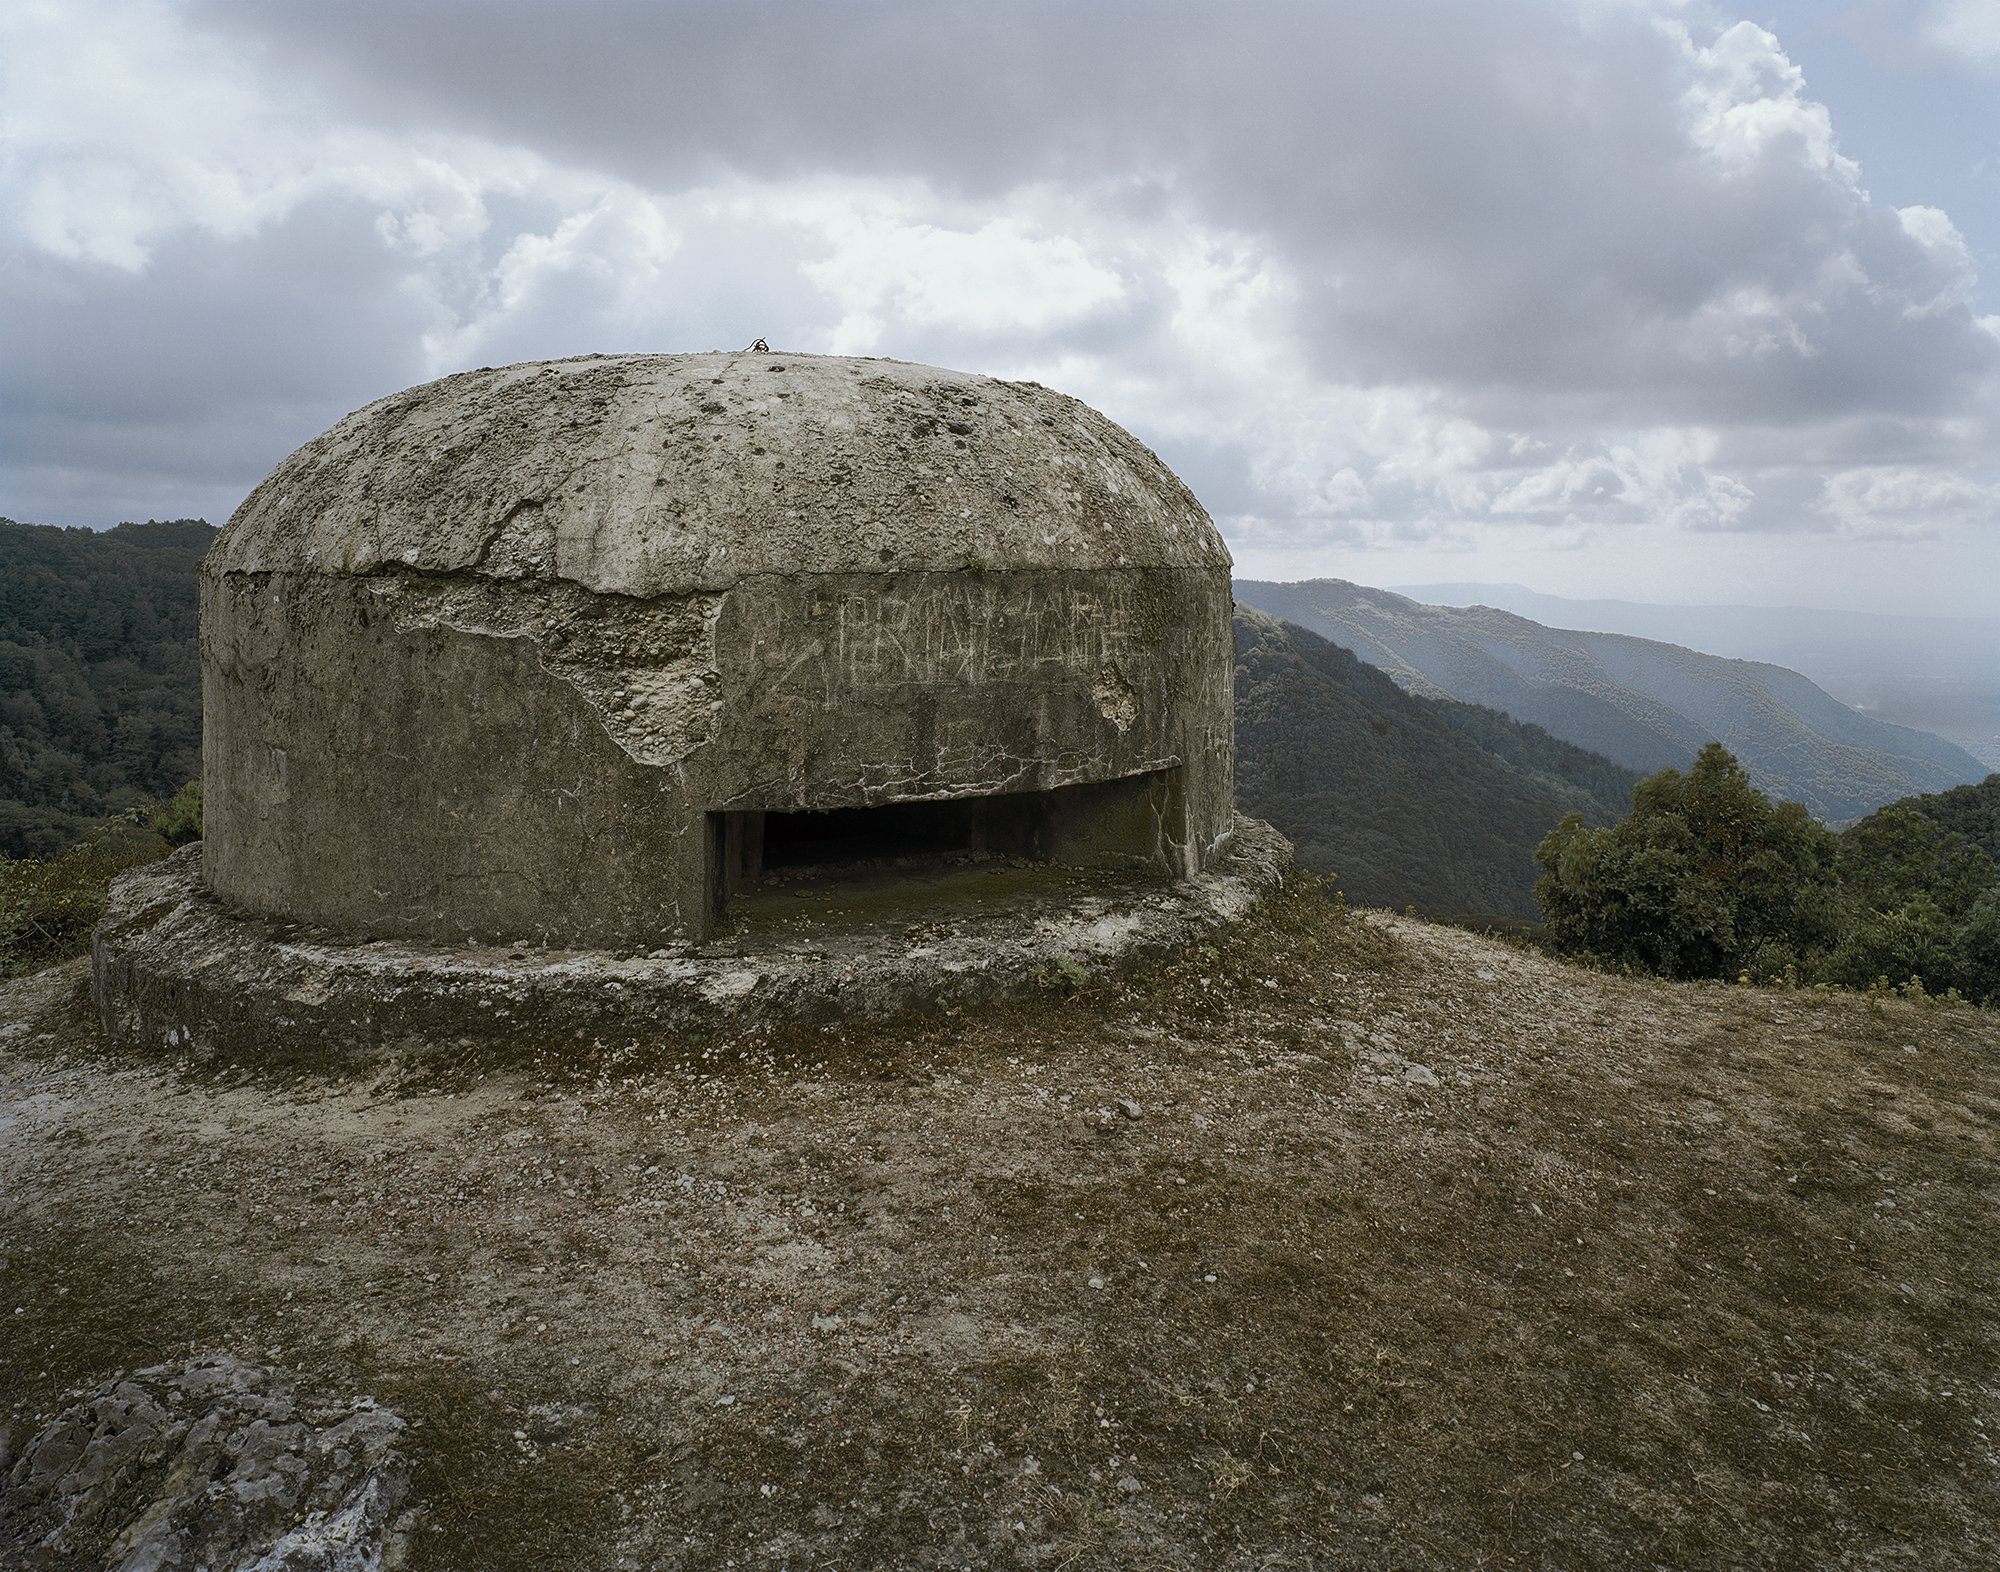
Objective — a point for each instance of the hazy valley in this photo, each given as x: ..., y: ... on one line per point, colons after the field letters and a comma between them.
x: 1938, y: 674
x: 1643, y: 704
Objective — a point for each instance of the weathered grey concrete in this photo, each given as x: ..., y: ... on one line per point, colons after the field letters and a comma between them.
x: 495, y: 658
x: 173, y: 970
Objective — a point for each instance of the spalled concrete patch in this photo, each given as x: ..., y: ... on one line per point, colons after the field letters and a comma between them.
x: 174, y: 969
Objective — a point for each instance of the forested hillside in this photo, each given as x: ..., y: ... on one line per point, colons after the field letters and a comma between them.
x: 100, y: 695
x: 1971, y: 811
x: 1645, y: 705
x: 1408, y: 801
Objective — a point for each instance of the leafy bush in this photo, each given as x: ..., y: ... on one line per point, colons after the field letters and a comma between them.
x: 1924, y: 904
x: 49, y: 905
x: 1897, y: 854
x: 1705, y: 878
x: 1708, y: 878
x: 1971, y: 811
x: 178, y: 821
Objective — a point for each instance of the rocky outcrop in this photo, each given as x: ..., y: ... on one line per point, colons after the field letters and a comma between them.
x: 213, y: 1464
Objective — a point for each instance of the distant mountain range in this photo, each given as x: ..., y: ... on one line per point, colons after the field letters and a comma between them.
x: 1641, y: 703
x: 1939, y: 674
x: 1405, y: 800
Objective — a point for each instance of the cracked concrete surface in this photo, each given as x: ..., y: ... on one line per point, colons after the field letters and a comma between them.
x: 492, y: 655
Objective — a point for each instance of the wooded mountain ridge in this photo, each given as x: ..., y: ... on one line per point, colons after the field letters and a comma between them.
x: 1643, y: 704
x: 1407, y: 800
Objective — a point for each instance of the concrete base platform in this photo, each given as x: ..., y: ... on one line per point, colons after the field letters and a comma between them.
x: 171, y: 969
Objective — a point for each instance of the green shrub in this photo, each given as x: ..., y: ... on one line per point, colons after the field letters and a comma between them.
x: 1924, y: 903
x: 1706, y: 878
x: 179, y: 821
x: 48, y: 906
x: 1063, y: 974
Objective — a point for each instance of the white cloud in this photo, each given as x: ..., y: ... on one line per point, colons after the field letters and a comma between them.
x: 1748, y: 103
x: 597, y: 269
x: 1907, y: 502
x: 1967, y: 28
x: 1573, y: 484
x: 123, y: 127
x: 104, y: 152
x: 996, y: 279
x: 1949, y: 260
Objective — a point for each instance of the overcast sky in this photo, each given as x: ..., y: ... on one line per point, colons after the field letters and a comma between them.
x: 1634, y: 298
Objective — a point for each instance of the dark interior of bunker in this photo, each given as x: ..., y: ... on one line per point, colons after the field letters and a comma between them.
x: 1108, y: 823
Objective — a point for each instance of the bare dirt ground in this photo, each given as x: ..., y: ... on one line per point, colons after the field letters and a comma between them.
x: 1349, y: 1242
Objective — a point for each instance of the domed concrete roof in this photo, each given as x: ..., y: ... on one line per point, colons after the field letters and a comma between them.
x: 653, y: 475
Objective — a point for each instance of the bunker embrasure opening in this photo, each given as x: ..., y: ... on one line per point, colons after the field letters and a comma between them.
x: 1133, y: 822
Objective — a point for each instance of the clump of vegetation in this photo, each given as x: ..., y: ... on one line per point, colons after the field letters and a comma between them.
x: 1924, y: 908
x: 1708, y: 878
x: 1971, y: 811
x: 178, y: 820
x: 1064, y: 974
x: 49, y: 905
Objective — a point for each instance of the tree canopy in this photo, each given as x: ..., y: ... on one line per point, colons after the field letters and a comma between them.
x: 1707, y: 877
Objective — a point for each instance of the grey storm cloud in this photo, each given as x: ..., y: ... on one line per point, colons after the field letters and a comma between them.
x: 1374, y: 275
x: 184, y: 378
x: 1500, y: 200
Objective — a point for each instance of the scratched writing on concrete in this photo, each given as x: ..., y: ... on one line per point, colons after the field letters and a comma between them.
x: 956, y: 633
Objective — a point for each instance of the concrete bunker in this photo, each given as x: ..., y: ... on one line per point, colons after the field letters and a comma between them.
x: 584, y: 651
x: 520, y: 688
